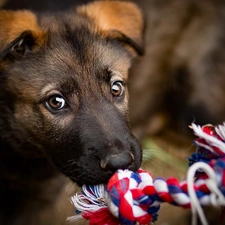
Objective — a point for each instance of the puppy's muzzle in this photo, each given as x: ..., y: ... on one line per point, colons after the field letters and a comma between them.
x: 117, y: 161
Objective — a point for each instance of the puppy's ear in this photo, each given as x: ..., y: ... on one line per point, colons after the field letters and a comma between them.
x: 117, y: 20
x: 19, y: 33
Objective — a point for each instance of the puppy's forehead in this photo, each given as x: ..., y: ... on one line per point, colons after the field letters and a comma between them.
x: 72, y: 43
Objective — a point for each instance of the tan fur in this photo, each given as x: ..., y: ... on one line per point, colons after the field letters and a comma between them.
x: 109, y: 16
x: 13, y: 23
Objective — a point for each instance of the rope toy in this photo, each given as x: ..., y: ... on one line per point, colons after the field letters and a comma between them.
x: 132, y: 198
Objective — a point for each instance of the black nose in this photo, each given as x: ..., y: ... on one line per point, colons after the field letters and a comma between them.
x: 118, y: 161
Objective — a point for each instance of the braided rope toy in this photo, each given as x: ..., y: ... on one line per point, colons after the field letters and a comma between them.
x: 132, y: 198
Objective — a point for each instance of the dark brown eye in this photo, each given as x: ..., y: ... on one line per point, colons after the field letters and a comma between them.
x: 55, y: 103
x: 117, y: 89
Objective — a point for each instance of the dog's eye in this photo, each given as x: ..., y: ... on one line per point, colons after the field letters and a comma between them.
x: 55, y: 103
x: 117, y: 89
x: 18, y: 48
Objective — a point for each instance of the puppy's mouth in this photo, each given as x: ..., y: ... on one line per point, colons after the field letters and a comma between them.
x: 93, y: 170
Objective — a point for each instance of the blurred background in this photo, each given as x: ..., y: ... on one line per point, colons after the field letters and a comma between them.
x: 179, y: 80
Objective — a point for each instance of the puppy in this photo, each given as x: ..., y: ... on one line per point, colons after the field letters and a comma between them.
x: 63, y: 102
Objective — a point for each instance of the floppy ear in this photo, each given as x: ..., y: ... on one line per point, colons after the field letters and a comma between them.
x: 19, y: 32
x: 117, y: 20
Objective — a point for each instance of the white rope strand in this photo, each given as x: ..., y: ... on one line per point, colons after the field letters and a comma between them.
x: 216, y: 196
x: 209, y: 139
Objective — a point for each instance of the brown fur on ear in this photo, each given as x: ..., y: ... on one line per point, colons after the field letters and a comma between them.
x: 117, y: 19
x: 14, y: 23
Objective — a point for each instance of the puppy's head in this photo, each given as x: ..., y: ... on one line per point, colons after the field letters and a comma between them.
x: 63, y: 91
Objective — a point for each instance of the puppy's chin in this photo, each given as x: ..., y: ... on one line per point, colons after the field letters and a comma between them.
x: 89, y: 176
x: 89, y: 180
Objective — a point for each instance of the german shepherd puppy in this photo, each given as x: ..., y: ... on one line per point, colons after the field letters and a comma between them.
x: 63, y: 102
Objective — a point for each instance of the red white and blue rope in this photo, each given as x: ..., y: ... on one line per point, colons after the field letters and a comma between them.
x: 135, y: 198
